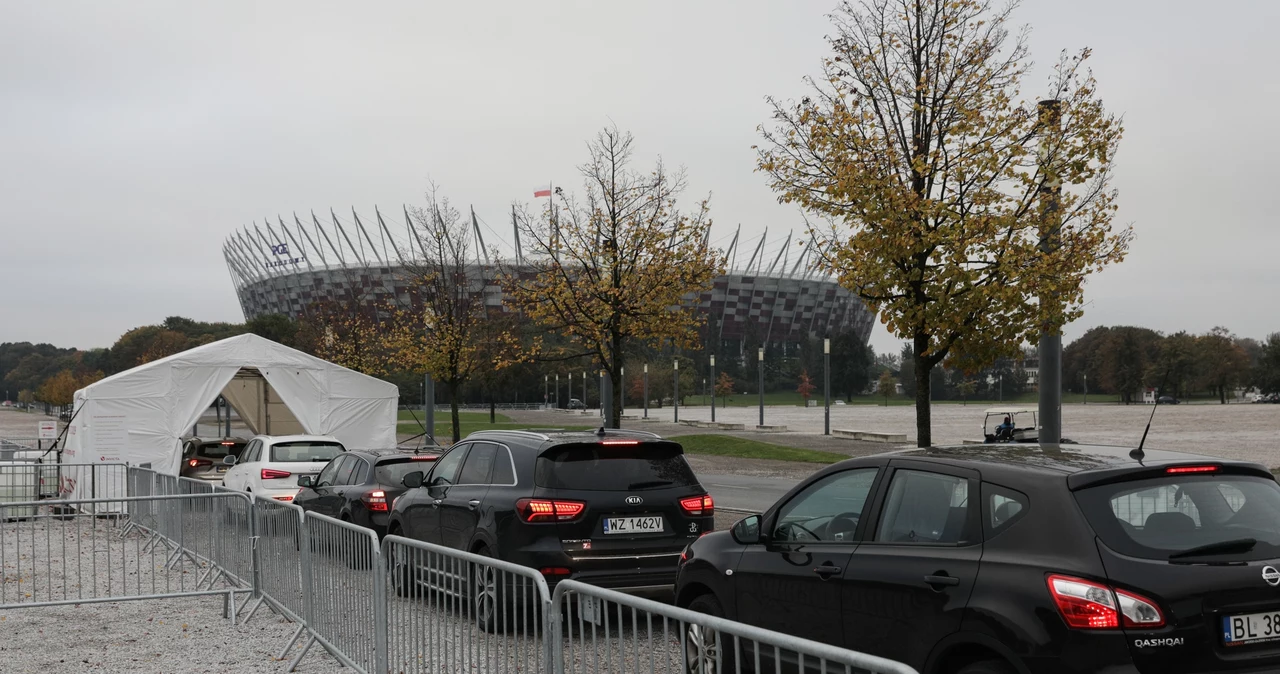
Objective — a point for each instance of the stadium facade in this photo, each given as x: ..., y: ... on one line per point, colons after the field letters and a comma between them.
x: 284, y: 268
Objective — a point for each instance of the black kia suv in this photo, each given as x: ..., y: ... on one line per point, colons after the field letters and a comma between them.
x: 610, y: 508
x: 997, y: 559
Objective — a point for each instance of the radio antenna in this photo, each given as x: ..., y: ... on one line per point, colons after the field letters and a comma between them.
x: 1137, y: 453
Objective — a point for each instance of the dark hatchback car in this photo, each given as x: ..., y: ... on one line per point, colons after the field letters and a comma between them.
x: 613, y: 509
x: 202, y: 458
x: 359, y: 486
x: 996, y: 559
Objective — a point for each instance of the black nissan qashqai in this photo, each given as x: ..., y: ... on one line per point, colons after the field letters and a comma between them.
x: 609, y: 508
x: 1004, y: 559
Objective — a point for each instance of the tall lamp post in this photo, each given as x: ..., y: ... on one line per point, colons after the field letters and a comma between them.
x: 760, y: 369
x: 557, y: 390
x: 1086, y: 388
x: 826, y: 386
x: 584, y: 391
x: 675, y: 391
x: 546, y: 390
x: 713, y: 388
x: 622, y: 372
x: 646, y: 390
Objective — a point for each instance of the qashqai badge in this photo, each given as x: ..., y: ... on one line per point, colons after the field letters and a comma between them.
x: 636, y: 500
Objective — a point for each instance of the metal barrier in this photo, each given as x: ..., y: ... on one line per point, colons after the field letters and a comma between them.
x: 600, y: 630
x: 67, y: 552
x: 279, y: 531
x: 33, y: 479
x: 454, y: 611
x: 342, y: 578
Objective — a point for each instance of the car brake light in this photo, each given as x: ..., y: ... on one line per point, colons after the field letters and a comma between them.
x: 199, y: 462
x: 425, y: 458
x: 273, y: 474
x: 544, y: 510
x: 619, y: 442
x: 555, y: 571
x: 282, y: 498
x: 698, y: 505
x: 375, y: 500
x: 226, y: 444
x: 1177, y: 470
x: 1093, y: 606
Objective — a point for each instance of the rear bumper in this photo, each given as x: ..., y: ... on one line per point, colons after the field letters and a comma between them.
x: 650, y: 575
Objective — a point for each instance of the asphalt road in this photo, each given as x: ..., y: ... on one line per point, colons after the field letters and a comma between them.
x: 742, y: 492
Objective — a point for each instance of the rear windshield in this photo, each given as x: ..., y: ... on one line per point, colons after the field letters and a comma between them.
x: 614, y: 467
x: 392, y: 472
x: 304, y: 451
x: 216, y: 450
x: 1163, y: 517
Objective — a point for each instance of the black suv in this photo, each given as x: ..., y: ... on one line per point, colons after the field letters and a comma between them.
x: 613, y: 508
x: 1012, y: 558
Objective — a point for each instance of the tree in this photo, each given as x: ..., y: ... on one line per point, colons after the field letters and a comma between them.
x: 1223, y: 364
x: 917, y: 153
x: 966, y: 388
x: 454, y: 336
x: 1266, y: 376
x: 61, y: 388
x: 1174, y: 364
x: 623, y: 267
x: 851, y: 364
x: 1124, y: 362
x: 806, y: 387
x: 886, y: 386
x: 724, y: 387
x: 275, y: 327
x: 26, y: 396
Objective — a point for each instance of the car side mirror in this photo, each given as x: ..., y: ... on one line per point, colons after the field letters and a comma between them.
x: 746, y: 531
x: 229, y: 459
x: 306, y: 481
x: 413, y: 480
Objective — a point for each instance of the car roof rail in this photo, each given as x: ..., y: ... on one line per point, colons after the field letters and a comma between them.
x: 501, y: 432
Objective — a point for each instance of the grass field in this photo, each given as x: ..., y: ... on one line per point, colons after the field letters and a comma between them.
x: 464, y: 417
x: 725, y: 445
x: 792, y: 398
x: 471, y: 422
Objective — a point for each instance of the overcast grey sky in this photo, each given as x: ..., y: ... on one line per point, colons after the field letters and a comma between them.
x: 134, y: 136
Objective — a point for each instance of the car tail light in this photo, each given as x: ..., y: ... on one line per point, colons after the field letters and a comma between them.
x: 282, y: 498
x: 619, y: 442
x: 1093, y: 606
x: 194, y: 463
x: 545, y: 510
x: 698, y: 505
x: 227, y: 444
x: 1179, y: 470
x: 555, y: 571
x: 425, y: 458
x: 273, y: 474
x: 375, y: 500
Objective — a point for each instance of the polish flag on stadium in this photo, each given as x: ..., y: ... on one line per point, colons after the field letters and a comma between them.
x: 544, y: 191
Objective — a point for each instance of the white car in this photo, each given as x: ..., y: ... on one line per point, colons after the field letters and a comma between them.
x: 270, y: 466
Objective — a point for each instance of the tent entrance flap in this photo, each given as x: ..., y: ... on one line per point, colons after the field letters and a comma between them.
x: 259, y: 405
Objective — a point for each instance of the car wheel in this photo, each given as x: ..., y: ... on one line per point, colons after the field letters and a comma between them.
x: 402, y: 571
x: 484, y: 593
x: 986, y: 667
x: 702, y: 645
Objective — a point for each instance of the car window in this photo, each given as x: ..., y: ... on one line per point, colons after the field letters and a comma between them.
x: 1159, y: 517
x: 1004, y: 506
x: 326, y: 476
x: 304, y: 450
x: 216, y: 450
x: 503, y: 473
x: 599, y: 467
x: 391, y: 472
x: 826, y: 511
x: 251, y: 454
x: 479, y: 464
x: 925, y: 507
x: 360, y: 473
x: 344, y: 471
x: 446, y: 471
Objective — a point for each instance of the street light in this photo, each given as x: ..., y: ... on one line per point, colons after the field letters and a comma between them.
x: 646, y: 390
x: 622, y: 372
x: 1086, y: 388
x: 584, y: 391
x: 675, y: 392
x: 713, y: 388
x: 826, y: 386
x: 546, y: 390
x: 557, y: 390
x: 760, y: 368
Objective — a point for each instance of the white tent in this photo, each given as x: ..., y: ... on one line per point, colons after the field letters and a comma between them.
x: 140, y: 415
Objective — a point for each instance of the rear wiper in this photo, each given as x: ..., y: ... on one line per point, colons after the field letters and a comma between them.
x: 1237, y: 545
x: 650, y: 483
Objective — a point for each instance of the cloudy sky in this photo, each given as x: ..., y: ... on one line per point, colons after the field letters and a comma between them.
x: 134, y: 136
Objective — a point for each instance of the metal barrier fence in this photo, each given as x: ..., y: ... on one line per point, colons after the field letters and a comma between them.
x: 77, y: 552
x: 30, y: 480
x: 601, y: 630
x: 398, y: 605
x: 454, y: 611
x: 342, y: 575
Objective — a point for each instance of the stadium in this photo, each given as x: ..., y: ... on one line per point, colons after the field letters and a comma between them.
x: 769, y: 295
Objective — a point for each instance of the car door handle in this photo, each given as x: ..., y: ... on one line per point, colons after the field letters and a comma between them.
x: 941, y: 581
x: 473, y: 504
x: 826, y: 571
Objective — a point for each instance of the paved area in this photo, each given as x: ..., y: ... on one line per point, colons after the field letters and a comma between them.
x: 1238, y: 431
